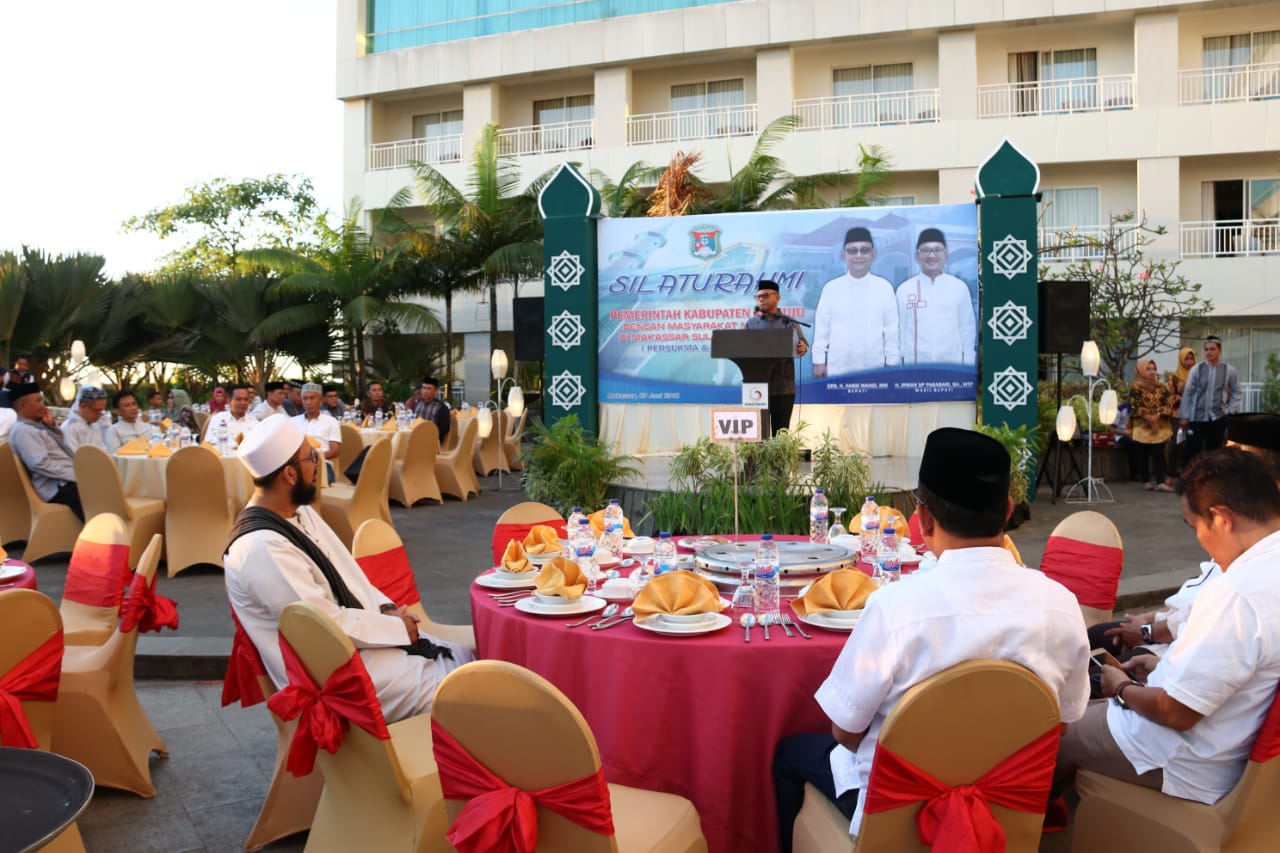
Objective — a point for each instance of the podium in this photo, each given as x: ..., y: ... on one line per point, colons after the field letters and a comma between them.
x: 755, y: 351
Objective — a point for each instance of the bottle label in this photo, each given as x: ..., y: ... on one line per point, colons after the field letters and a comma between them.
x: 765, y: 571
x: 818, y: 514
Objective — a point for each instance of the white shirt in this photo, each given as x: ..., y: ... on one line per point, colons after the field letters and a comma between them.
x: 937, y: 321
x: 1225, y: 664
x: 1180, y: 602
x: 324, y: 427
x: 78, y: 432
x: 264, y: 410
x: 977, y: 603
x: 8, y: 417
x: 235, y: 425
x: 856, y: 327
x: 122, y: 432
x: 265, y: 572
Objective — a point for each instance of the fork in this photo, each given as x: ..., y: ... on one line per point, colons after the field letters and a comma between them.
x: 786, y: 620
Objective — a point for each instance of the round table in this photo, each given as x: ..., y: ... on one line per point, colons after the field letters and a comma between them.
x: 143, y: 477
x: 25, y: 580
x: 399, y: 445
x: 40, y: 795
x: 697, y: 716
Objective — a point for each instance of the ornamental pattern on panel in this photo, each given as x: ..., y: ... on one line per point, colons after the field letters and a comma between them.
x: 1011, y: 388
x: 1009, y: 257
x: 565, y: 270
x: 567, y: 390
x: 1009, y: 322
x: 566, y: 330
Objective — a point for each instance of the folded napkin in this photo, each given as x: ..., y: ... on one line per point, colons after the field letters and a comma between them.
x: 239, y: 439
x: 597, y: 524
x: 843, y: 589
x: 900, y: 525
x: 562, y: 577
x: 1013, y: 549
x: 137, y: 447
x: 366, y: 423
x: 542, y: 540
x: 390, y: 426
x: 313, y: 441
x: 167, y: 424
x: 678, y: 593
x: 514, y: 558
x: 160, y: 451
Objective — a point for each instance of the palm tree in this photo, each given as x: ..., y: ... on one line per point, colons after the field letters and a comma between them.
x: 630, y: 195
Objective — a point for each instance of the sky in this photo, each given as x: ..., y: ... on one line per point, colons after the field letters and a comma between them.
x: 114, y: 107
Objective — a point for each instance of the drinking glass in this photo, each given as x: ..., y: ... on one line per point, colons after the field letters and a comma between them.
x: 837, y: 529
x: 744, y: 597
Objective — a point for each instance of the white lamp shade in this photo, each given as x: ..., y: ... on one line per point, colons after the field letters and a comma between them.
x: 498, y: 364
x: 77, y: 352
x: 67, y: 388
x: 1066, y: 424
x: 515, y: 401
x: 1108, y: 407
x: 484, y: 421
x: 1090, y: 358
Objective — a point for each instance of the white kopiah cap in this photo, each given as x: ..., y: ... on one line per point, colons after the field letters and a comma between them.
x: 270, y: 445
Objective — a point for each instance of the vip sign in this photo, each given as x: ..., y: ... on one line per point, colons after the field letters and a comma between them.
x: 732, y: 426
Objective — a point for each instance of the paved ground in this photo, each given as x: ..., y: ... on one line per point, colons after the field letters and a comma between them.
x: 211, y: 786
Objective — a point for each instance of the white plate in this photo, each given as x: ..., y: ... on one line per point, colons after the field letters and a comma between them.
x: 819, y: 620
x: 700, y: 543
x: 639, y: 546
x: 620, y: 589
x: 658, y: 626
x: 539, y: 559
x: 497, y: 581
x: 8, y: 572
x: 586, y: 604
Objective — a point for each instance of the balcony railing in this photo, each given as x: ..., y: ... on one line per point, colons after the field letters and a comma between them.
x: 1082, y: 242
x: 1230, y: 237
x: 1260, y: 82
x: 544, y: 138
x: 399, y: 154
x: 1056, y: 97
x: 709, y: 123
x: 908, y: 107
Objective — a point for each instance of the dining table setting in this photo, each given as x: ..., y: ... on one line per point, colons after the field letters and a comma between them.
x: 142, y: 470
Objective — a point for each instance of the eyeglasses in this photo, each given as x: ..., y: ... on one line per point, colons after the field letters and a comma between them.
x: 915, y: 496
x: 931, y: 251
x: 860, y: 250
x: 314, y: 458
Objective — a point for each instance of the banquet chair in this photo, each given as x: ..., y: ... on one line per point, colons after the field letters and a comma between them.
x: 198, y: 515
x: 530, y: 736
x: 54, y: 527
x: 413, y: 477
x: 517, y: 521
x: 454, y: 468
x: 384, y: 560
x: 15, y: 512
x: 381, y: 790
x: 98, y: 720
x: 1086, y: 554
x: 95, y: 581
x: 352, y: 444
x: 511, y: 441
x: 956, y: 726
x: 101, y: 490
x: 451, y: 440
x: 489, y: 455
x: 344, y: 508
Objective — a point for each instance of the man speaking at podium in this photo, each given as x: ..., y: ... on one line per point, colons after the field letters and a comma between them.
x: 782, y: 377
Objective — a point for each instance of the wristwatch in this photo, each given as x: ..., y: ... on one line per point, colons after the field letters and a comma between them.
x: 1119, y: 694
x: 1145, y: 632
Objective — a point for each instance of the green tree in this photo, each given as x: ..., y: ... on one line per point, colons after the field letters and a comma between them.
x: 629, y: 195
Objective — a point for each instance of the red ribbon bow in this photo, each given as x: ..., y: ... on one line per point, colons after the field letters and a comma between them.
x: 959, y: 819
x: 326, y: 712
x: 97, y: 574
x: 244, y: 667
x: 501, y: 818
x: 1091, y: 572
x: 391, y: 573
x: 145, y: 609
x: 34, y: 679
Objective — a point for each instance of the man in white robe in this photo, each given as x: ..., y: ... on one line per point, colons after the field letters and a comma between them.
x: 855, y: 327
x: 938, y: 326
x: 85, y: 425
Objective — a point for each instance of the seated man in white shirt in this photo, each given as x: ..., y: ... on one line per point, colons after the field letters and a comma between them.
x: 237, y: 419
x: 1186, y: 725
x: 320, y: 425
x: 274, y: 403
x: 84, y: 425
x: 129, y: 424
x: 976, y: 604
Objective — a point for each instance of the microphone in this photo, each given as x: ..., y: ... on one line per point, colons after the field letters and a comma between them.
x: 760, y: 312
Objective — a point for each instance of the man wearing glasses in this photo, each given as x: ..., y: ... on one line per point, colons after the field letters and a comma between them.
x: 856, y: 325
x: 938, y: 325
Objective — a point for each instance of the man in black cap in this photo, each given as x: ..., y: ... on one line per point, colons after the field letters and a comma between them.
x: 430, y: 407
x: 977, y: 603
x: 855, y: 327
x: 782, y: 378
x: 333, y: 402
x: 41, y: 447
x: 936, y: 308
x: 274, y: 402
x: 19, y: 373
x: 293, y: 397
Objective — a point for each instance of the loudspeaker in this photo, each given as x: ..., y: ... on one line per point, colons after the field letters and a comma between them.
x: 1064, y: 316
x: 527, y: 314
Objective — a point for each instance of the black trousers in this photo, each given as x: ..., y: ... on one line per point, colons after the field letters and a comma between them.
x: 68, y: 494
x: 1205, y: 435
x: 780, y: 406
x: 797, y: 760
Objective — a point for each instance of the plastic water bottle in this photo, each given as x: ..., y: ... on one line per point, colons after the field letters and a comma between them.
x: 584, y: 551
x: 888, y: 562
x: 377, y: 419
x: 613, y: 526
x: 818, y: 518
x: 767, y: 578
x: 664, y: 554
x: 870, y: 528
x: 157, y: 434
x: 220, y: 435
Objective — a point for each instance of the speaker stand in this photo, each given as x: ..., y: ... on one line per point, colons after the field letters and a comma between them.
x: 1054, y: 474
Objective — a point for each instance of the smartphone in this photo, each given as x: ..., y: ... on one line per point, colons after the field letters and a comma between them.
x: 1102, y: 657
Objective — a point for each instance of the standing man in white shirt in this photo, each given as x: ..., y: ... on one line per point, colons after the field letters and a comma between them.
x: 84, y: 425
x: 938, y: 326
x: 129, y: 425
x: 320, y: 425
x: 274, y: 402
x: 856, y: 323
x: 1212, y: 392
x: 236, y: 416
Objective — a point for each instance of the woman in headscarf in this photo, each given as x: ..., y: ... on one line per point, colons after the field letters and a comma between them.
x: 1177, y: 382
x: 218, y: 402
x: 179, y: 399
x: 1150, y: 424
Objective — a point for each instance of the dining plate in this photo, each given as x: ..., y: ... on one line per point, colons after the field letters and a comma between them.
x: 700, y: 543
x: 493, y: 580
x: 714, y: 622
x: 585, y: 604
x: 9, y: 571
x: 539, y: 559
x: 821, y: 620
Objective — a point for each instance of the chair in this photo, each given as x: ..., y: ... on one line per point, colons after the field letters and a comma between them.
x: 381, y: 791
x: 488, y: 455
x: 96, y: 577
x: 99, y: 721
x: 198, y: 518
x: 54, y: 527
x: 956, y: 726
x: 1115, y: 815
x: 1086, y: 554
x: 344, y: 508
x: 15, y: 512
x: 511, y: 441
x: 384, y: 560
x: 413, y: 477
x: 526, y: 732
x: 451, y: 440
x: 352, y: 444
x: 101, y: 490
x: 517, y: 521
x: 454, y: 468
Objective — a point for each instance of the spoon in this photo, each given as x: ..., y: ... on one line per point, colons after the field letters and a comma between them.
x: 621, y: 617
x: 603, y: 615
x: 765, y: 621
x: 747, y: 621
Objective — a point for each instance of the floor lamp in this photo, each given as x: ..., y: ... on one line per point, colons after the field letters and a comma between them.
x: 515, y: 403
x: 1090, y: 489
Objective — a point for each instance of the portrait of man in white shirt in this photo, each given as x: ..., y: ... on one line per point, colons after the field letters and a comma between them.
x: 856, y: 322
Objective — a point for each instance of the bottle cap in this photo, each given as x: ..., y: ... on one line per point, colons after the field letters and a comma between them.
x: 817, y: 491
x: 613, y: 500
x: 666, y: 534
x: 766, y: 537
x: 577, y: 509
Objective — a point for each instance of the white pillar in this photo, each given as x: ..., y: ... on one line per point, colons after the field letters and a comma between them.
x: 958, y: 75
x: 1159, y: 184
x: 480, y: 106
x: 1155, y: 58
x: 955, y: 186
x: 613, y: 105
x: 775, y: 88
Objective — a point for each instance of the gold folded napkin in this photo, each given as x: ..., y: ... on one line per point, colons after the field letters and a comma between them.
x: 390, y: 426
x: 843, y: 589
x: 239, y: 439
x: 313, y: 441
x: 137, y: 447
x: 160, y: 451
x: 167, y: 424
x: 597, y: 524
x: 368, y: 422
x: 514, y: 558
x: 900, y: 526
x: 1013, y: 549
x: 542, y: 540
x: 679, y: 594
x: 562, y: 577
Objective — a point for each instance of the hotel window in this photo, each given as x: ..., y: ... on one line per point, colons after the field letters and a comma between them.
x: 1242, y: 66
x: 443, y: 132
x: 1054, y: 80
x: 565, y: 122
x: 719, y: 108
x: 1246, y: 214
x: 1064, y: 209
x: 871, y: 90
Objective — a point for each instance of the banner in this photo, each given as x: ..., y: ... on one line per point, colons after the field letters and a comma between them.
x: 889, y: 296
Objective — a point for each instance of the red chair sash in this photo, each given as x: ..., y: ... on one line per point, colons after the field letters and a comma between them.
x: 97, y: 574
x: 1091, y: 572
x: 146, y: 610
x: 326, y: 712
x: 1266, y: 745
x: 504, y: 533
x: 501, y: 818
x: 244, y: 667
x: 959, y: 820
x: 391, y: 573
x: 34, y: 679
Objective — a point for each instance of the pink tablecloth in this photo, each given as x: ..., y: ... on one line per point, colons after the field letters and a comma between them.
x: 26, y: 580
x: 696, y: 716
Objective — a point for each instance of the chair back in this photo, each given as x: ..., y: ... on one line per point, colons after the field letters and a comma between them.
x: 1249, y: 819
x: 15, y: 512
x: 524, y: 730
x: 28, y: 621
x: 144, y: 575
x: 424, y: 446
x: 370, y: 498
x: 101, y: 489
x: 517, y: 521
x: 352, y: 444
x: 96, y: 578
x: 198, y: 516
x: 381, y: 554
x: 956, y: 725
x: 451, y: 440
x: 24, y: 477
x: 1086, y: 555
